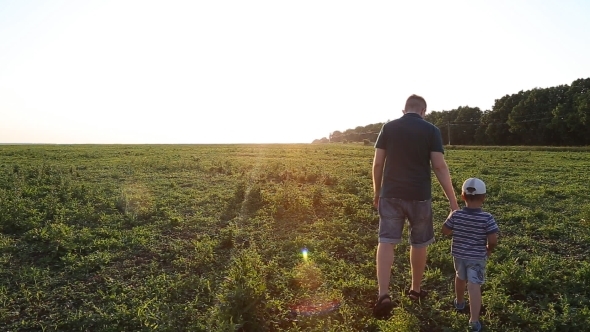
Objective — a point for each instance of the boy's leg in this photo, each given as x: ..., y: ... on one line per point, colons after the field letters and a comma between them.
x: 474, y: 301
x: 385, y: 255
x: 460, y: 281
x: 475, y: 277
x: 460, y: 289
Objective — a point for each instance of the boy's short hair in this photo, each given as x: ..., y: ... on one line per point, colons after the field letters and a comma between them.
x: 474, y: 198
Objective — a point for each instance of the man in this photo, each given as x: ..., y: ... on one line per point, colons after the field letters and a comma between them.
x: 404, y: 152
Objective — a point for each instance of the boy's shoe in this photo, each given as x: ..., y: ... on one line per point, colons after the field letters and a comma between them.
x: 475, y: 326
x: 459, y: 306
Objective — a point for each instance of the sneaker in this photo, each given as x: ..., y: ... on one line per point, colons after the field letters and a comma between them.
x: 475, y: 326
x: 459, y: 306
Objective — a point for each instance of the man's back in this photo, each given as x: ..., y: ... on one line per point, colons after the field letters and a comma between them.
x: 408, y: 142
x: 404, y: 152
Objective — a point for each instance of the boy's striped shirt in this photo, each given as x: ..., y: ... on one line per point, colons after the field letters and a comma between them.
x: 470, y: 230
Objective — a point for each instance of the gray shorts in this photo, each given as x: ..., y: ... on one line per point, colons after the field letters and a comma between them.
x: 474, y: 271
x: 393, y: 213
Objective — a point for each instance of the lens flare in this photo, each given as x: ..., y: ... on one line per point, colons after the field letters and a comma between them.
x: 312, y: 299
x: 304, y: 254
x: 315, y: 307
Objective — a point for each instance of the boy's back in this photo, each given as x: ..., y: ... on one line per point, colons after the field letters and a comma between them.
x: 474, y: 237
x: 470, y: 231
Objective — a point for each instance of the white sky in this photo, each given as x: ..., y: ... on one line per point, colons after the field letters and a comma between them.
x: 267, y: 71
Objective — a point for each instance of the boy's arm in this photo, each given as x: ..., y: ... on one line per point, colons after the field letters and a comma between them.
x: 447, y: 228
x: 492, y: 242
x: 492, y: 231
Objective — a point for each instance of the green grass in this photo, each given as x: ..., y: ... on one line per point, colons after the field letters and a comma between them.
x: 209, y: 238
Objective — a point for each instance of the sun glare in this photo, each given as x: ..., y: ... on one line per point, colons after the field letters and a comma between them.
x: 262, y: 71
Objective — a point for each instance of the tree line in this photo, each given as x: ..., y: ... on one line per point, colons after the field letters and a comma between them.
x: 556, y: 116
x: 366, y: 133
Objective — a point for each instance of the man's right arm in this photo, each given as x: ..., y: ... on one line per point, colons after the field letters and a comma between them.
x: 441, y: 170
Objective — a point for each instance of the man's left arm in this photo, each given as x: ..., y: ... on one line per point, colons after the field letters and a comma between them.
x: 441, y: 170
x: 378, y: 164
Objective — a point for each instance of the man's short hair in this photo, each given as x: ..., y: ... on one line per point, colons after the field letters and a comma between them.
x: 415, y: 103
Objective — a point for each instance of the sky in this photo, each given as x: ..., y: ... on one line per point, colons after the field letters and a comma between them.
x: 201, y: 72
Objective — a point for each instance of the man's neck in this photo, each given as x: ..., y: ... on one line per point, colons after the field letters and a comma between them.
x: 420, y: 115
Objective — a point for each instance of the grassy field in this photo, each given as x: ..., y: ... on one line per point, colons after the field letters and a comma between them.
x: 210, y: 238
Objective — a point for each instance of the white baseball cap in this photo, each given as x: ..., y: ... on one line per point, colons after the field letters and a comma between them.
x: 473, y: 186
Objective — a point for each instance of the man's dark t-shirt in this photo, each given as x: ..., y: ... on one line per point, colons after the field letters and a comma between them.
x: 408, y: 142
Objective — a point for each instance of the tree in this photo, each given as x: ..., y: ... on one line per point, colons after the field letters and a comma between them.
x: 571, y: 118
x: 457, y: 126
x: 481, y: 138
x: 497, y: 128
x: 336, y: 136
x: 465, y: 124
x: 530, y: 118
x: 557, y: 115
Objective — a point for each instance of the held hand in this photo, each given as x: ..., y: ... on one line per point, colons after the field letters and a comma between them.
x: 376, y: 202
x: 454, y: 206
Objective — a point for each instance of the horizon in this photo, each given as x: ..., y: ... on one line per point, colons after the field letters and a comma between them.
x: 262, y: 72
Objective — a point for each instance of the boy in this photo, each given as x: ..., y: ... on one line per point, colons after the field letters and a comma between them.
x: 475, y: 234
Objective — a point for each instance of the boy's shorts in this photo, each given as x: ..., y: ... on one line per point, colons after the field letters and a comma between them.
x: 474, y: 271
x: 393, y: 213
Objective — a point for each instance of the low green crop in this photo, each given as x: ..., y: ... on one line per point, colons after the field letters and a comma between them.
x: 210, y: 238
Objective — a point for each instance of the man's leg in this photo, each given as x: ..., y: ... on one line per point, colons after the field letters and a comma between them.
x: 417, y: 264
x: 385, y: 254
x: 391, y: 226
x: 421, y: 235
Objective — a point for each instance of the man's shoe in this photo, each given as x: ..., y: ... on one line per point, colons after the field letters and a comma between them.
x: 413, y: 295
x: 383, y: 307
